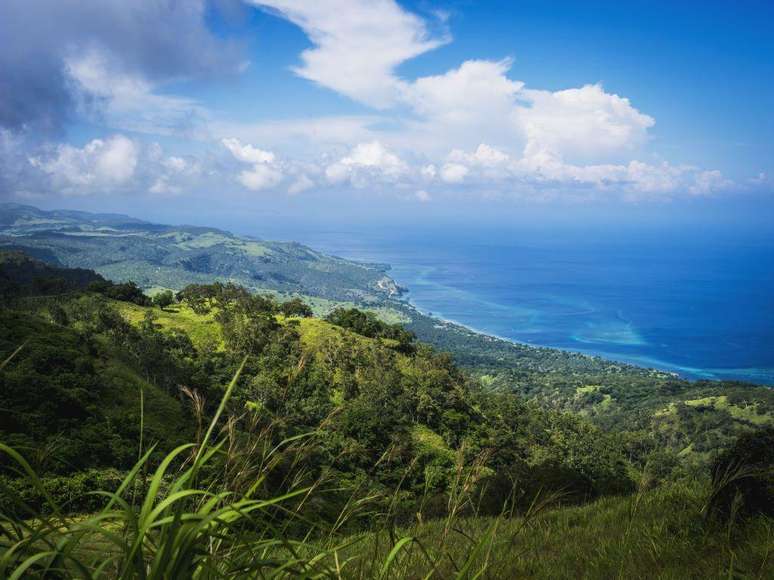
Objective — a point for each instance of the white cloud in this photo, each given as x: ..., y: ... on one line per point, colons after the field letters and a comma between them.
x: 584, y: 123
x: 454, y: 172
x: 708, y: 182
x: 367, y: 160
x: 476, y: 91
x: 357, y: 44
x: 265, y: 172
x: 260, y: 176
x: 472, y: 126
x: 171, y: 175
x: 428, y: 172
x: 302, y: 183
x: 175, y: 164
x: 162, y: 186
x: 99, y: 163
x: 128, y: 101
x: 308, y: 135
x: 484, y: 156
x: 247, y: 153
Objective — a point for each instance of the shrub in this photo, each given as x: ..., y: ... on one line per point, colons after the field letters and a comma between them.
x: 296, y: 307
x: 743, y: 477
x: 164, y: 299
x: 74, y: 493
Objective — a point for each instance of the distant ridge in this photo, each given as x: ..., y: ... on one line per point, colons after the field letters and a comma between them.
x: 123, y: 248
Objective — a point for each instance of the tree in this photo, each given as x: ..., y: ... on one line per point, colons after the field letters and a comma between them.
x: 296, y: 307
x: 164, y: 299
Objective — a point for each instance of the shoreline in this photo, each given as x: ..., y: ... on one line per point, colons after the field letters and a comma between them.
x: 762, y: 377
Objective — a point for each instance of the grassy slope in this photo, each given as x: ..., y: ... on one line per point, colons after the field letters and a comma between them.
x: 201, y: 329
x: 163, y: 415
x: 314, y: 334
x: 658, y: 534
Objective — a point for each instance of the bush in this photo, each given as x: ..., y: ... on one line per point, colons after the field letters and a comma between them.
x: 73, y: 493
x: 367, y: 324
x: 126, y: 292
x: 164, y: 299
x: 296, y: 307
x: 743, y: 477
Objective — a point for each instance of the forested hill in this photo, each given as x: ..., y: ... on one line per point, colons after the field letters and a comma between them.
x: 152, y: 255
x: 343, y: 446
x: 686, y: 421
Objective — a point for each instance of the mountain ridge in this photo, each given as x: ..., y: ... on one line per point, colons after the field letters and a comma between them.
x: 123, y: 248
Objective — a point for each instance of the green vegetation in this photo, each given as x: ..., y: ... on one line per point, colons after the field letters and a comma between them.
x: 345, y: 447
x: 662, y: 419
x: 124, y: 249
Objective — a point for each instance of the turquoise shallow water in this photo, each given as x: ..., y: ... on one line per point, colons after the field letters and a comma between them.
x: 697, y: 303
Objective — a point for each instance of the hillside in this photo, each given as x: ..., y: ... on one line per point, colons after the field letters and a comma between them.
x: 685, y: 421
x: 152, y: 255
x: 364, y: 449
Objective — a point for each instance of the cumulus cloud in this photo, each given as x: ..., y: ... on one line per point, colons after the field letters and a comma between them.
x: 486, y: 166
x: 474, y: 125
x: 264, y: 172
x: 454, y: 172
x: 358, y: 44
x: 247, y: 153
x: 581, y: 123
x: 472, y: 102
x: 707, y: 182
x: 365, y: 161
x: 260, y: 176
x: 99, y: 163
x: 171, y: 174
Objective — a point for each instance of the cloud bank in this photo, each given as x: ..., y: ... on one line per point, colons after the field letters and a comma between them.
x: 472, y: 128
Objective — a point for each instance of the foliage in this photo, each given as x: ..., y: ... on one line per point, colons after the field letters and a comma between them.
x: 296, y: 307
x: 743, y: 477
x: 163, y: 299
x: 337, y: 427
x: 125, y: 292
x: 124, y: 249
x: 367, y: 324
x: 21, y: 275
x: 651, y: 411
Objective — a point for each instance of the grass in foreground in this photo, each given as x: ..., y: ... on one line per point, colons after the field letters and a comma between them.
x: 186, y: 520
x: 658, y: 534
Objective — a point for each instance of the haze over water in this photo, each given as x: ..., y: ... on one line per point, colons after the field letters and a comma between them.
x: 691, y: 301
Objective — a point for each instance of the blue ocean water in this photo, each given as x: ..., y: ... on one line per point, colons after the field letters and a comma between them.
x: 699, y: 303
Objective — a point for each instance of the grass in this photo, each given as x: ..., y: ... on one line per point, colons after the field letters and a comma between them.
x: 742, y: 413
x: 201, y: 328
x: 162, y: 413
x: 657, y: 534
x: 183, y: 524
x: 205, y: 511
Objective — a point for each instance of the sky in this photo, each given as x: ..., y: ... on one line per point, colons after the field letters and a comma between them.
x: 227, y: 111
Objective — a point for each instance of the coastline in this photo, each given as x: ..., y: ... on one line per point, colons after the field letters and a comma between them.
x: 641, y: 363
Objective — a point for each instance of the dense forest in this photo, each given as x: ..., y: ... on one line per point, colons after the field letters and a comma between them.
x: 214, y: 431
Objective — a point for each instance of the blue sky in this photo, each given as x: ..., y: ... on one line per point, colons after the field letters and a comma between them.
x: 205, y: 110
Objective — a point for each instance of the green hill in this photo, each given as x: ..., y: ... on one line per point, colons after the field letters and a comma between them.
x: 152, y: 255
x: 344, y: 447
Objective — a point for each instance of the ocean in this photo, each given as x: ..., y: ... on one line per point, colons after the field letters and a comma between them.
x: 696, y: 302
